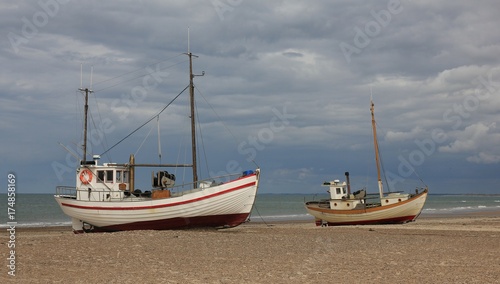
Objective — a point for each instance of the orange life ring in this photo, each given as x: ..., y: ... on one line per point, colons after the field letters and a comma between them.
x: 86, y: 176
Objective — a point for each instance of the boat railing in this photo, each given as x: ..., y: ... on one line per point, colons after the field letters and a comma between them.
x: 141, y: 195
x: 66, y: 191
x: 187, y: 188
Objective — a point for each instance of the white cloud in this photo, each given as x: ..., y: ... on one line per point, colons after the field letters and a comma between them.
x: 484, y: 158
x: 394, y: 136
x: 469, y: 139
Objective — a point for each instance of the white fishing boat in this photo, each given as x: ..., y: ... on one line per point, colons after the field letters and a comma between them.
x: 357, y: 208
x: 105, y: 197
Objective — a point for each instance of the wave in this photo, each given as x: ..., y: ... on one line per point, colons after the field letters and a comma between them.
x: 38, y: 224
x: 478, y: 208
x: 283, y: 217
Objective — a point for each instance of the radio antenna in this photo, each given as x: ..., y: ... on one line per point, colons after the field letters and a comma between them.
x: 81, y: 75
x: 91, y: 71
x: 188, y: 42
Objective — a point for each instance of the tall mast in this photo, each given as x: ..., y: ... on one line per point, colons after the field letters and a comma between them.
x: 375, y: 144
x: 87, y: 91
x: 193, y: 121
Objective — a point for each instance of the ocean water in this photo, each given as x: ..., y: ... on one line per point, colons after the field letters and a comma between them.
x: 41, y: 210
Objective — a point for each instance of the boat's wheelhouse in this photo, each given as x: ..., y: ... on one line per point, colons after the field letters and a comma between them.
x: 340, y: 198
x: 337, y: 189
x: 102, y: 182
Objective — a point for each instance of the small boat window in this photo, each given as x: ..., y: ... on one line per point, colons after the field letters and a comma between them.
x: 109, y: 176
x: 338, y: 190
x: 100, y: 176
x: 121, y: 176
x: 105, y: 176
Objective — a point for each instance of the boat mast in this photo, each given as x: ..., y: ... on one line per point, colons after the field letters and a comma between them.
x: 87, y: 91
x: 375, y: 144
x: 193, y: 121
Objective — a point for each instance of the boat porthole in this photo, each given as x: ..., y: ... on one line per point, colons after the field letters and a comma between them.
x: 399, y: 199
x: 387, y: 201
x: 334, y: 204
x: 348, y: 204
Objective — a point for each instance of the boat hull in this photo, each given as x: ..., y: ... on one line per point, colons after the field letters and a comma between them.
x: 225, y: 205
x: 398, y: 213
x: 215, y: 221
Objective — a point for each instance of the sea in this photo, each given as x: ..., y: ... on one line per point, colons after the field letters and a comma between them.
x: 41, y: 210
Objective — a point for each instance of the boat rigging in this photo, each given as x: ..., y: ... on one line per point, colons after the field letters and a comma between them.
x: 346, y: 208
x: 105, y: 197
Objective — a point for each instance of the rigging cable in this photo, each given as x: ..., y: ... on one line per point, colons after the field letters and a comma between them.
x: 149, y: 120
x: 415, y: 171
x: 78, y: 123
x: 200, y: 133
x: 182, y: 141
x: 145, y: 138
x: 148, y: 73
x: 159, y: 143
x: 381, y: 162
x: 223, y: 123
x: 105, y: 142
x: 100, y: 132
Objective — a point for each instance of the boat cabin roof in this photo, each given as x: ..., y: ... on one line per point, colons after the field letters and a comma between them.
x: 95, y: 165
x: 333, y: 183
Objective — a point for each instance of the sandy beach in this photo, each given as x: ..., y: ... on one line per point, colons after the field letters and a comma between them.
x: 464, y: 249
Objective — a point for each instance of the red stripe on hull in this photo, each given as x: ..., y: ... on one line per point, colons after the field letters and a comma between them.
x: 398, y: 220
x: 215, y: 221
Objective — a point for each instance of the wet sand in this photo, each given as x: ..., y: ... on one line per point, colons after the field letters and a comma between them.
x: 445, y: 249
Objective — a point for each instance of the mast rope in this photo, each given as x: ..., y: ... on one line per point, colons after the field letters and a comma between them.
x: 182, y: 141
x: 149, y: 72
x: 149, y: 120
x: 415, y: 171
x: 260, y: 216
x: 223, y: 122
x: 144, y: 140
x: 380, y: 158
x: 200, y: 133
x: 105, y: 141
x: 159, y: 143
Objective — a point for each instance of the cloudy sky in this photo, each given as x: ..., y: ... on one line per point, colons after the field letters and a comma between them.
x: 287, y: 84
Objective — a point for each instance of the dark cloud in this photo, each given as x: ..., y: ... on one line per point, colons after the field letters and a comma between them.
x: 291, y: 81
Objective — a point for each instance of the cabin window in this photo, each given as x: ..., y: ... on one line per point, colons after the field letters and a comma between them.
x: 345, y: 191
x: 105, y: 176
x: 121, y: 176
x: 100, y: 176
x: 109, y: 176
x: 338, y: 190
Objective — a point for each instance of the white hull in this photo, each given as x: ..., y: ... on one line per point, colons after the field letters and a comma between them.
x: 401, y: 212
x: 225, y: 205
